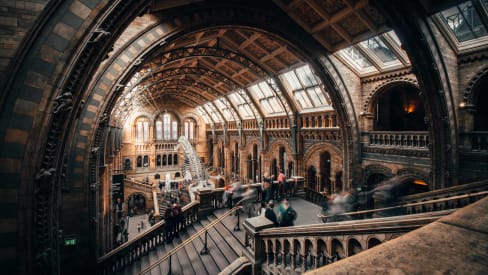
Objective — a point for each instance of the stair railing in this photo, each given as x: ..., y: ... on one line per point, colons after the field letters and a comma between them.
x: 204, y: 230
x: 132, y: 250
x: 418, y: 207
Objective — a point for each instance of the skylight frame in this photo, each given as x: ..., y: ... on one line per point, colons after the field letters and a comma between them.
x: 468, y: 45
x: 268, y: 100
x: 214, y: 114
x: 390, y: 41
x: 302, y: 84
x: 241, y: 105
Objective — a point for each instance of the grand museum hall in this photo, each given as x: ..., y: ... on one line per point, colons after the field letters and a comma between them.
x: 243, y: 137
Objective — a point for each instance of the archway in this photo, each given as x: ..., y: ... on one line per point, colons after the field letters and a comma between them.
x: 353, y: 247
x: 325, y: 173
x: 136, y: 204
x: 372, y: 242
x: 398, y: 107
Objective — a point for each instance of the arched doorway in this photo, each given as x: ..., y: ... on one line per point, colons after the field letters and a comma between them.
x: 325, y: 173
x: 312, y: 177
x: 399, y: 108
x: 136, y: 204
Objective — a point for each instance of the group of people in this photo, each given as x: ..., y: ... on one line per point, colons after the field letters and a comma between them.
x: 173, y: 217
x: 276, y: 190
x: 338, y: 204
x: 286, y: 214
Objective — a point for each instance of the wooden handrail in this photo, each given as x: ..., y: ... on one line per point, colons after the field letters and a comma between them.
x: 405, y: 205
x: 194, y: 236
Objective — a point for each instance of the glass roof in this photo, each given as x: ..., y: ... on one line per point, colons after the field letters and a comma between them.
x: 305, y: 88
x: 210, y: 108
x: 464, y: 21
x: 204, y: 114
x: 263, y: 94
x: 242, y: 106
x: 375, y: 55
x: 227, y: 111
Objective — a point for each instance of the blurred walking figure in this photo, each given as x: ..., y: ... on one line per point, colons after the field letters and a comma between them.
x: 286, y: 214
x: 270, y: 214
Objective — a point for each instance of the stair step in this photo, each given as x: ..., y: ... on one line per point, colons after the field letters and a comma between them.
x: 222, y: 238
x: 208, y: 263
x: 213, y: 247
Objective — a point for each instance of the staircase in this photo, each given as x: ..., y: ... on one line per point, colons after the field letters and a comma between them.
x: 224, y: 246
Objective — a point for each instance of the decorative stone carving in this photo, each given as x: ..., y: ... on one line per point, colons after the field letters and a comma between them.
x: 63, y: 103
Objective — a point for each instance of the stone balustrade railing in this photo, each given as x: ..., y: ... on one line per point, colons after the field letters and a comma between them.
x: 301, y: 248
x: 476, y: 141
x: 418, y: 140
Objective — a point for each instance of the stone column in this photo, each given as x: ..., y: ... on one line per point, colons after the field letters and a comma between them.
x: 255, y: 247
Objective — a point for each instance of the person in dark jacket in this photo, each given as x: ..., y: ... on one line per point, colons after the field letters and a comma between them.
x: 270, y: 214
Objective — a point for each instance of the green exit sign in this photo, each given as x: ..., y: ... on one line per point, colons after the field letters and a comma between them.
x: 69, y: 242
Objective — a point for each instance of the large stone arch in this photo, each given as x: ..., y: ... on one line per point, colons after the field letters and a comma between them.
x: 412, y: 24
x: 368, y: 106
x: 376, y: 169
x: 473, y: 84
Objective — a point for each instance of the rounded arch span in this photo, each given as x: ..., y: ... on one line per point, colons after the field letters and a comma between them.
x: 319, y: 148
x: 82, y: 123
x: 372, y: 241
x: 473, y: 85
x: 275, y: 146
x: 415, y: 174
x: 353, y: 246
x: 376, y: 169
x: 372, y: 97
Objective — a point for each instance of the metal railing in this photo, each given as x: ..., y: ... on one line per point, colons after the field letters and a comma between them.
x: 204, y: 230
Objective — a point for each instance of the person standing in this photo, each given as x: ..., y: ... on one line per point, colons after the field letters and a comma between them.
x: 281, y: 183
x: 286, y: 214
x: 270, y: 214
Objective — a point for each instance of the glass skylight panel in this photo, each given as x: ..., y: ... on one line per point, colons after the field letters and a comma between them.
x: 306, y: 76
x: 226, y: 112
x: 303, y: 99
x: 263, y: 93
x: 305, y: 87
x: 356, y: 57
x: 379, y: 48
x: 319, y: 97
x: 292, y: 79
x: 463, y: 20
x: 242, y: 107
x: 266, y: 89
x: 395, y: 38
x: 204, y: 114
x: 213, y: 112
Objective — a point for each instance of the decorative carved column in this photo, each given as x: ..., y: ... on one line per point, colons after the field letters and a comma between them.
x: 255, y: 246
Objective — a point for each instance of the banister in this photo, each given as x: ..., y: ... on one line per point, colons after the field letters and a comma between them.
x: 157, y: 226
x: 193, y: 237
x: 482, y: 193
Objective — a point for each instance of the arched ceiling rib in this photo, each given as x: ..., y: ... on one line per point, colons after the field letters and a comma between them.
x: 221, y: 60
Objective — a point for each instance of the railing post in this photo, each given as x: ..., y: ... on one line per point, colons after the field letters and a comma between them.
x: 255, y: 247
x: 204, y: 249
x: 169, y: 269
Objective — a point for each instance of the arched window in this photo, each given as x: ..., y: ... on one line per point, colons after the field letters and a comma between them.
x: 166, y: 129
x: 159, y: 130
x: 170, y: 127
x: 189, y: 129
x: 142, y: 130
x: 174, y: 130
